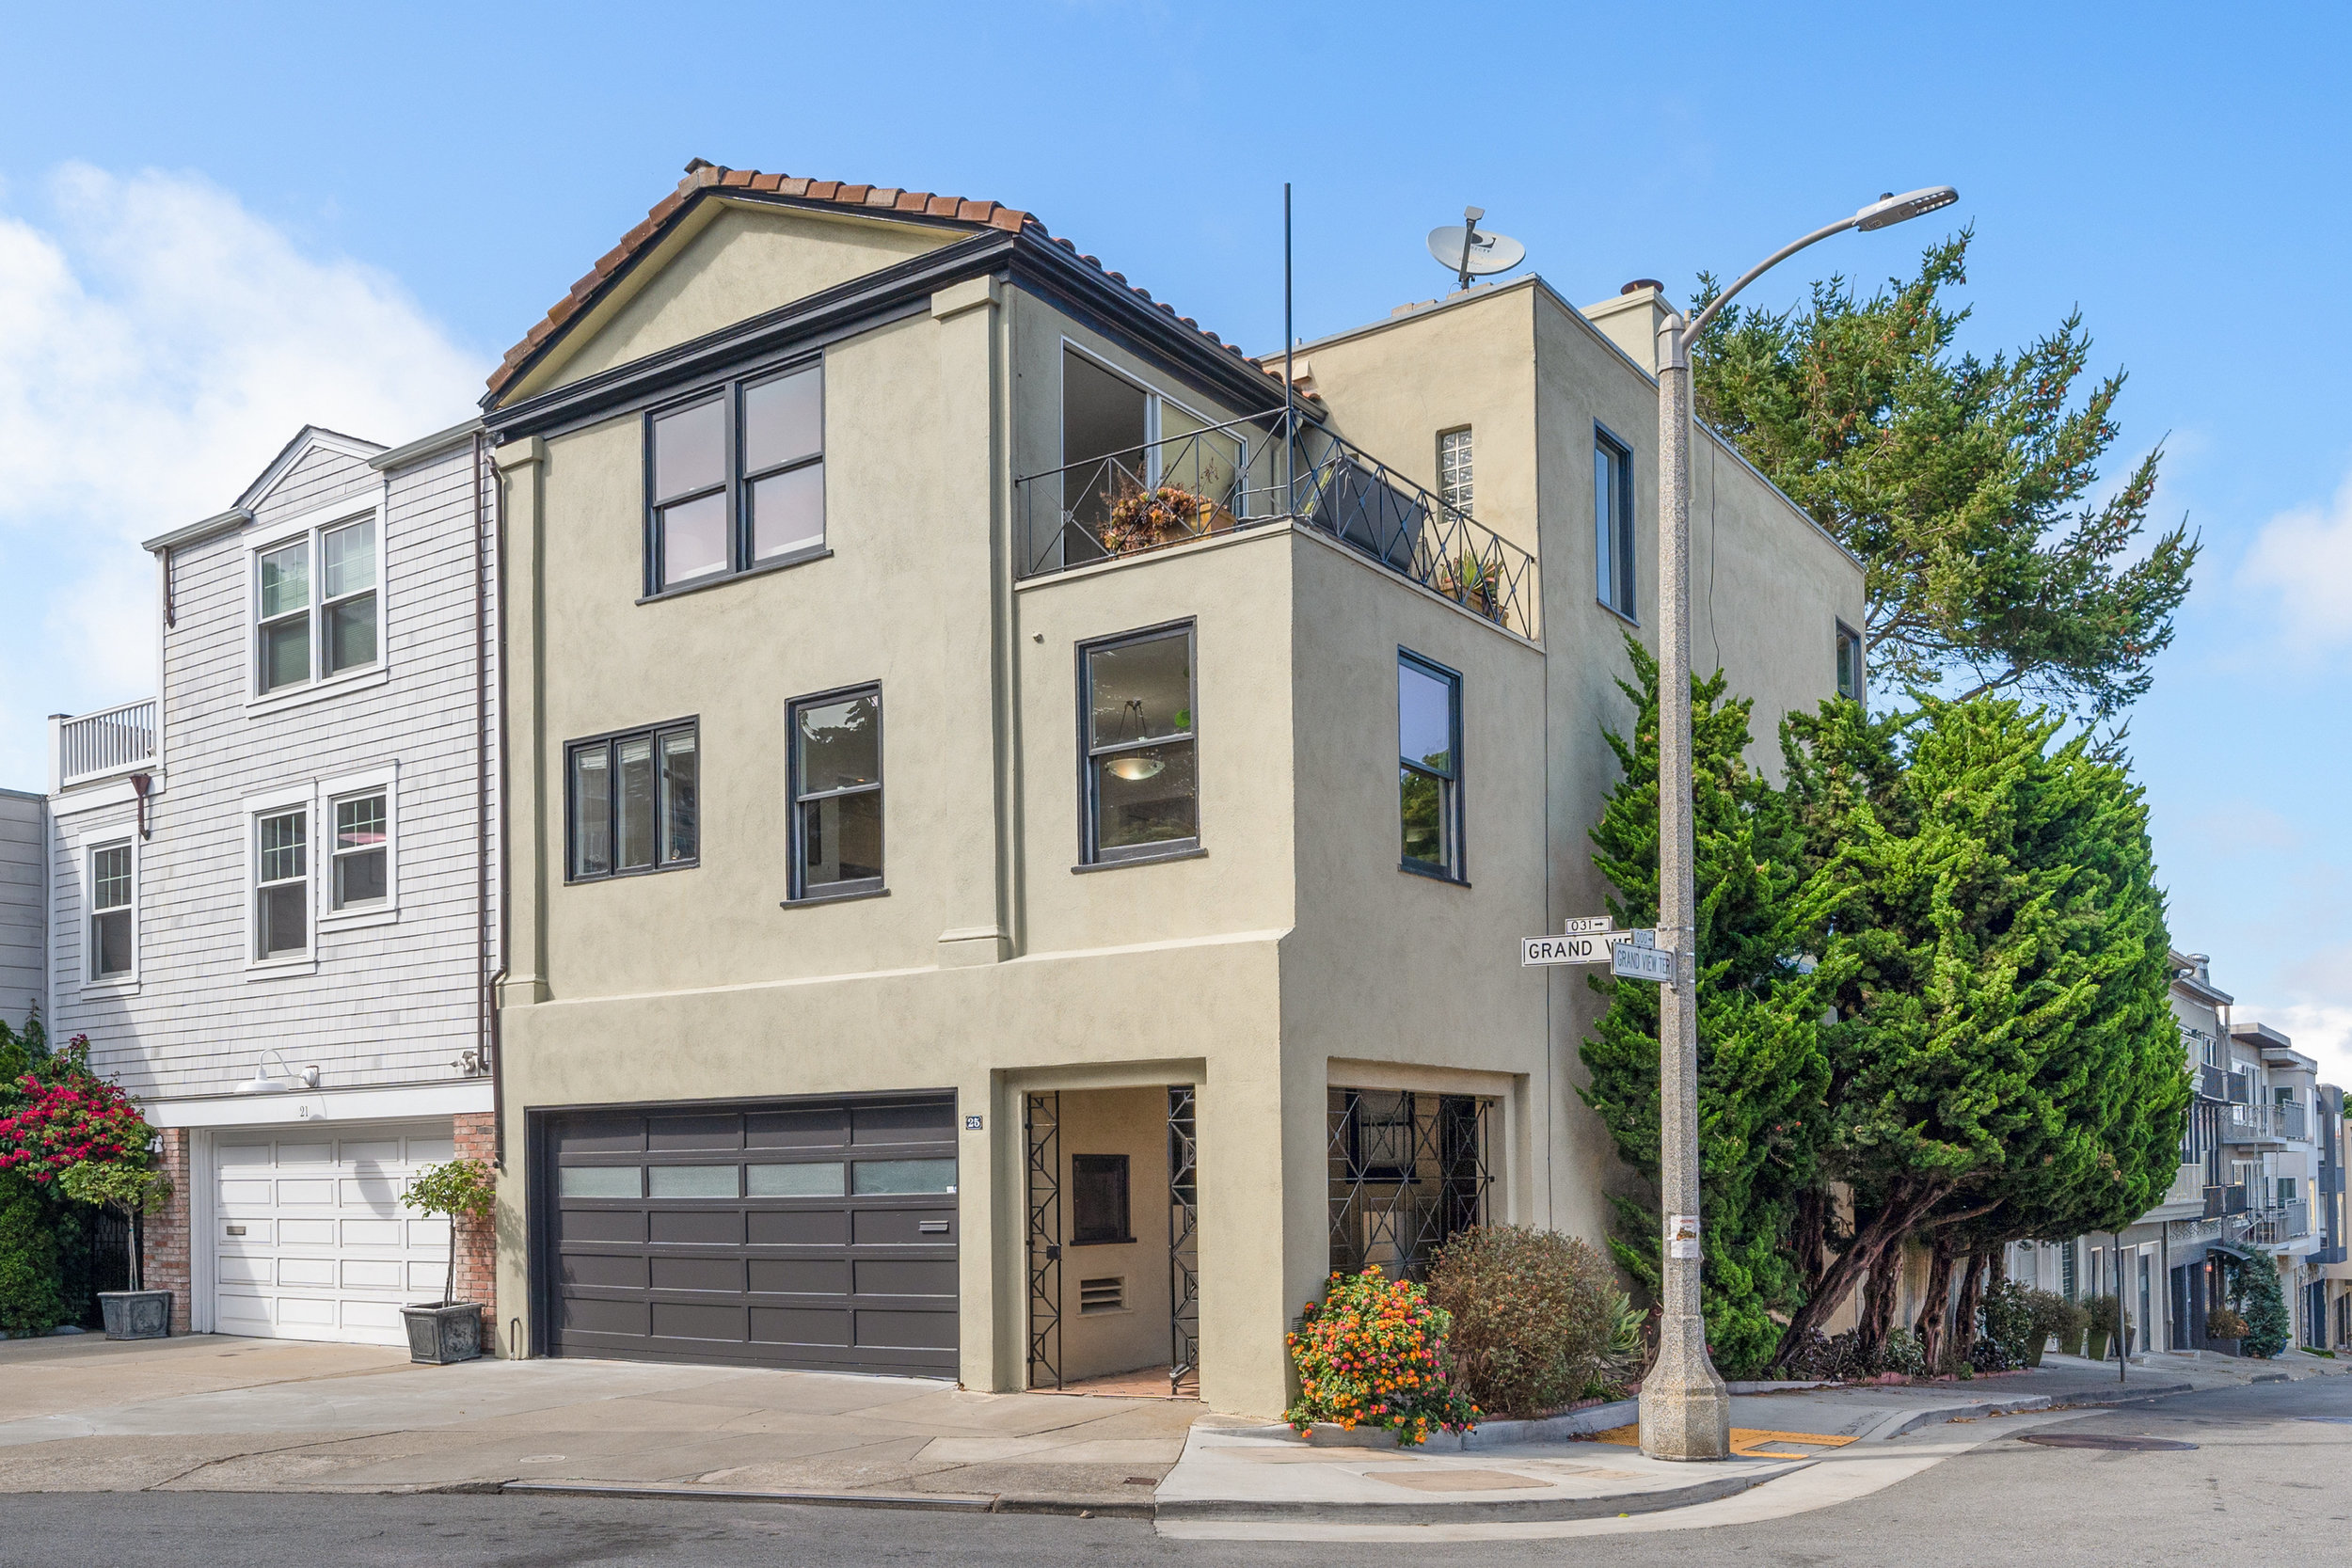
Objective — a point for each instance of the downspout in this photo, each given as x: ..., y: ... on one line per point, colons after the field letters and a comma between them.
x: 486, y: 1002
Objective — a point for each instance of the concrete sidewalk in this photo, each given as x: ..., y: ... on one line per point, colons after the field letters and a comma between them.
x: 214, y: 1414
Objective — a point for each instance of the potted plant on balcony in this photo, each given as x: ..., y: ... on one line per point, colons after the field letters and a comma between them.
x: 1141, y: 519
x: 449, y: 1330
x: 1466, y: 581
x: 130, y: 1189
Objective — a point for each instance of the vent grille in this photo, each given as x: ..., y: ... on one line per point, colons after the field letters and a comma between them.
x: 1102, y: 1296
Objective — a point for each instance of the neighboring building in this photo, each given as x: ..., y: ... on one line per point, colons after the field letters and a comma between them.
x: 272, y: 884
x: 23, y: 889
x: 2325, y: 1303
x: 2253, y: 1183
x: 948, y: 938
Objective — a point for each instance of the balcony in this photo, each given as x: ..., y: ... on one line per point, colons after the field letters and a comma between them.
x: 1224, y: 478
x: 2289, y: 1119
x: 2220, y: 1202
x: 2250, y: 1124
x: 2278, y: 1226
x: 119, y: 740
x: 2210, y: 1082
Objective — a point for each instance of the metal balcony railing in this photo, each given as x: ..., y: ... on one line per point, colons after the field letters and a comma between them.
x: 1237, y: 475
x: 2287, y: 1222
x: 2210, y: 1082
x: 119, y: 740
x: 2247, y: 1123
x: 2223, y: 1201
x: 2289, y: 1118
x: 2239, y: 1087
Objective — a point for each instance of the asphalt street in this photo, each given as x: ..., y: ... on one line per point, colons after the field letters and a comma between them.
x: 2272, y: 1470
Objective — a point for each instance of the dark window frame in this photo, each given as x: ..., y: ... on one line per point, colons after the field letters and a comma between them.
x: 1081, y: 1167
x: 737, y: 484
x: 610, y: 741
x: 1449, y: 783
x: 1624, y: 581
x: 1849, y: 657
x: 865, y: 887
x: 1091, y: 853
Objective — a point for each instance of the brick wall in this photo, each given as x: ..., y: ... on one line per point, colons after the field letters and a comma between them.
x: 477, y: 1239
x: 164, y: 1258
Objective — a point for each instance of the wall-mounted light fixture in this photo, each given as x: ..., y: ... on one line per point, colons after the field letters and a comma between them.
x: 262, y: 1083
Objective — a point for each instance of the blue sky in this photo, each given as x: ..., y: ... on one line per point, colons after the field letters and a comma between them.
x: 232, y: 219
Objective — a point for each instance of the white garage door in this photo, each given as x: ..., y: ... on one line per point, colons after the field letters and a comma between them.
x: 310, y: 1237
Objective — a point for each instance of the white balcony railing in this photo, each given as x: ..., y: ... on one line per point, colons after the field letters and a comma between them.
x: 118, y: 739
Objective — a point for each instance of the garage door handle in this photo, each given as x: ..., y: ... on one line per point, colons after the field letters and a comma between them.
x: 931, y: 1226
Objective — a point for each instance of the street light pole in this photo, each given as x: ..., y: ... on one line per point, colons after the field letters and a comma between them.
x: 1686, y: 1409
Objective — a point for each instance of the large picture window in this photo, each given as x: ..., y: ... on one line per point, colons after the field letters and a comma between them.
x: 1429, y: 766
x: 1612, y: 524
x: 281, y: 895
x: 836, y: 788
x: 734, y: 479
x: 1142, y: 787
x: 632, y: 803
x: 317, y: 606
x: 111, y: 916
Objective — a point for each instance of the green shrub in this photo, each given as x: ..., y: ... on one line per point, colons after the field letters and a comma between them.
x: 2054, y: 1315
x: 1373, y: 1353
x: 459, y: 1189
x: 1538, y: 1318
x: 2010, y: 1328
x: 2254, y: 1287
x: 32, y: 1298
x: 2223, y: 1323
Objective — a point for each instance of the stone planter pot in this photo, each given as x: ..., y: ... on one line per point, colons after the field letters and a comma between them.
x: 2225, y: 1346
x: 137, y: 1314
x: 2095, y: 1345
x: 2034, y: 1350
x: 439, y: 1335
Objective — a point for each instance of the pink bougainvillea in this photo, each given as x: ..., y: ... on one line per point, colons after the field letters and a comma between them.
x: 68, y: 1120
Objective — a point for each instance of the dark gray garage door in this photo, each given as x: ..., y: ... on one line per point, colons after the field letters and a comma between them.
x: 792, y: 1234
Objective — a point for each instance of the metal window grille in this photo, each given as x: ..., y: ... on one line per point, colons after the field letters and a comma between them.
x: 1043, y: 1129
x: 1184, y: 1239
x: 1407, y: 1172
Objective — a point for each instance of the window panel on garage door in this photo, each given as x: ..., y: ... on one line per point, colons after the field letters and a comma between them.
x: 805, y: 1234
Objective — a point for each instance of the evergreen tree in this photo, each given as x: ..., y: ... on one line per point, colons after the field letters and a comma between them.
x: 1964, y: 485
x: 1760, y: 1069
x: 2002, y: 1057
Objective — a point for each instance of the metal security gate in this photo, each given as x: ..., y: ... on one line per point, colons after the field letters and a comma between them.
x: 1042, y: 1128
x: 1407, y: 1171
x: 1184, y: 1239
x: 795, y: 1233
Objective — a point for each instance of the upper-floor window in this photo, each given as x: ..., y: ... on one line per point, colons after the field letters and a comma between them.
x: 111, y: 917
x: 1429, y: 766
x: 836, y: 789
x: 1612, y: 524
x: 734, y: 479
x: 281, y: 894
x: 1849, y: 662
x: 1142, y: 784
x: 1455, y: 477
x: 362, y: 850
x: 318, y: 611
x: 632, y: 802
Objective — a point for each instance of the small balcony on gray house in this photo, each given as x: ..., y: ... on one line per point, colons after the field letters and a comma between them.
x: 1151, y: 484
x: 110, y: 743
x: 2272, y: 1227
x: 2251, y: 1126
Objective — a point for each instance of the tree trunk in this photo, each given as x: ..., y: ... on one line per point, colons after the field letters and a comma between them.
x: 1812, y: 1235
x: 1888, y: 1226
x: 449, y: 1282
x: 1878, y: 1310
x: 1937, y: 1306
x: 1964, y: 1314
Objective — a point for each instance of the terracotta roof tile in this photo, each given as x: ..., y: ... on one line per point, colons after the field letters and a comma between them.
x: 701, y: 175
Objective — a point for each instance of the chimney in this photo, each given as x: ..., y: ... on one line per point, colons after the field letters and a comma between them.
x: 1632, y: 320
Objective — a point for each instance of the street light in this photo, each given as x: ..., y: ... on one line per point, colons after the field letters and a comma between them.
x: 1685, y: 1410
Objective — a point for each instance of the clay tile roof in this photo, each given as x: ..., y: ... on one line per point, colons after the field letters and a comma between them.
x: 702, y: 176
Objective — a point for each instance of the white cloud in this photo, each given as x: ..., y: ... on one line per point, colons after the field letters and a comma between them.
x: 2304, y: 557
x: 158, y: 343
x: 2321, y: 1030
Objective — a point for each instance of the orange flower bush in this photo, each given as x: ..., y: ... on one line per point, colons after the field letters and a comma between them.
x: 1372, y: 1352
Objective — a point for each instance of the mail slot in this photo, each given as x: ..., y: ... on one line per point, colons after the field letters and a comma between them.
x: 236, y: 1230
x: 930, y: 1227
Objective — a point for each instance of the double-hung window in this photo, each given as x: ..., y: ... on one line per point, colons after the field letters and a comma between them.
x: 632, y: 803
x: 362, y: 850
x: 1455, y: 476
x: 1429, y: 766
x: 1612, y: 524
x: 281, y: 895
x: 1142, y: 784
x: 735, y: 478
x: 836, y: 794
x: 111, y: 918
x: 318, y: 611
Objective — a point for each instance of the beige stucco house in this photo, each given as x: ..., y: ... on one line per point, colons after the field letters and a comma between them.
x: 1018, y: 867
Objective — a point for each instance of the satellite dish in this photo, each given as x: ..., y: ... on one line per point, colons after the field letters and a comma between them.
x: 1464, y: 251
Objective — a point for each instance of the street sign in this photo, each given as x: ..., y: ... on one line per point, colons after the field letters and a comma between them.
x: 1586, y: 925
x: 1562, y: 950
x: 1630, y: 962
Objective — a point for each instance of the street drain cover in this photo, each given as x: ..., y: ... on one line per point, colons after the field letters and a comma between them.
x: 2098, y: 1440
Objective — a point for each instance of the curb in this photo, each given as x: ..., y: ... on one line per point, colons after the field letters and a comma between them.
x: 941, y: 1502
x: 1519, y: 1510
x: 1901, y: 1421
x: 1487, y: 1435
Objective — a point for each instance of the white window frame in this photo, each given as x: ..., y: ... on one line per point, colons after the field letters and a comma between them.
x: 1470, y: 455
x: 384, y: 781
x: 249, y: 814
x: 309, y: 528
x: 129, y: 979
